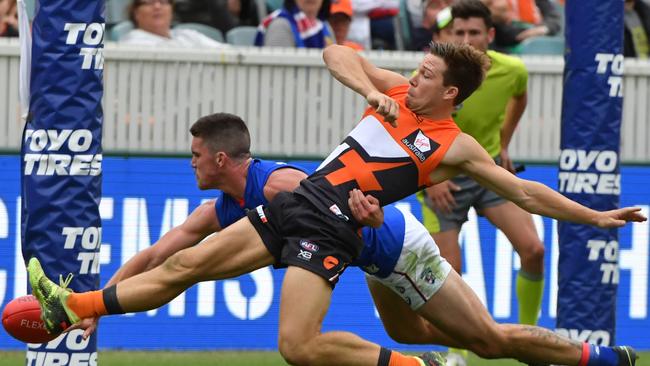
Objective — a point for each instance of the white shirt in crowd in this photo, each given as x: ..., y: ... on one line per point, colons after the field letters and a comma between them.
x: 188, y: 38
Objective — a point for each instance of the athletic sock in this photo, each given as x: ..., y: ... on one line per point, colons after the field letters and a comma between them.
x: 530, y: 289
x: 593, y: 355
x: 94, y: 303
x: 393, y: 358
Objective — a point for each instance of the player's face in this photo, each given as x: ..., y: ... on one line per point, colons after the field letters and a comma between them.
x: 204, y: 163
x: 426, y: 86
x: 474, y: 32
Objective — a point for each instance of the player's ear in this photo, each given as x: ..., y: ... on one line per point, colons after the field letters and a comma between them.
x: 220, y: 158
x: 450, y: 93
x: 491, y: 34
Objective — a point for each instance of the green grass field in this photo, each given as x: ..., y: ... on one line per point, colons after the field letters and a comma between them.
x: 116, y: 358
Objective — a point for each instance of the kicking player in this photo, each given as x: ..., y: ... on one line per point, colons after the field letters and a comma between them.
x: 406, y: 141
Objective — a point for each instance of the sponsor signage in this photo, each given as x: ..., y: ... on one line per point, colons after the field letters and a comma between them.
x: 143, y: 198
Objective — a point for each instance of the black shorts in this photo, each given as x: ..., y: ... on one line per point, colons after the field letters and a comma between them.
x: 298, y: 234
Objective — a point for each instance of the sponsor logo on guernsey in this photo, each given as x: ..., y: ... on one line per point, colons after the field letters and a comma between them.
x: 337, y: 211
x: 421, y: 145
x: 260, y: 213
x: 306, y: 244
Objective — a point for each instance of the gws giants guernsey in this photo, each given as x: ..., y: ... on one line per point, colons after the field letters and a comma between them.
x: 387, y: 162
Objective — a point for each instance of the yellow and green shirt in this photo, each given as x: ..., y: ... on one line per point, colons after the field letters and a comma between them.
x: 481, y: 115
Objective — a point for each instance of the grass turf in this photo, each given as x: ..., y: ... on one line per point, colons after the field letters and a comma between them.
x: 167, y: 358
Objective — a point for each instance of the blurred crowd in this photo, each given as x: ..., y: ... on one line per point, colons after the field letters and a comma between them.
x: 361, y: 24
x: 8, y: 18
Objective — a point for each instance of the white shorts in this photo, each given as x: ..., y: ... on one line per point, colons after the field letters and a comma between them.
x: 420, y: 270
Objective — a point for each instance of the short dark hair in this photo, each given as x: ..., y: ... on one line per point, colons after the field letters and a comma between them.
x: 224, y: 132
x: 465, y: 9
x: 466, y: 67
x: 323, y: 12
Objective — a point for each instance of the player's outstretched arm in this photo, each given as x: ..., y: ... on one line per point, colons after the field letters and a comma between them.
x: 358, y: 74
x: 202, y: 222
x: 467, y: 155
x: 199, y: 224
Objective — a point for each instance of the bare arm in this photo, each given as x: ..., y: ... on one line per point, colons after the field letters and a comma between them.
x: 358, y: 74
x: 202, y: 222
x: 282, y: 180
x: 514, y: 110
x: 467, y: 155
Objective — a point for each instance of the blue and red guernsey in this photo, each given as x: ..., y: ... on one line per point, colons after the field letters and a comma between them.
x: 230, y: 210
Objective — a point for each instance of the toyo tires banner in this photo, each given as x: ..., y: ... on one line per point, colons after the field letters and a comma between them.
x: 589, y: 167
x: 62, y: 158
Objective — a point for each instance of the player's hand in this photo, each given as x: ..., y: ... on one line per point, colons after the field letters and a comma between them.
x: 506, y: 162
x: 440, y: 196
x: 619, y: 217
x: 386, y: 106
x: 89, y: 325
x: 365, y: 209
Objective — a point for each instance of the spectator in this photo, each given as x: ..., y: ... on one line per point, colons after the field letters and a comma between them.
x: 542, y: 16
x: 340, y: 19
x: 551, y: 16
x: 637, y: 29
x: 360, y: 26
x: 372, y: 23
x: 152, y: 20
x: 424, y: 21
x: 221, y: 14
x: 443, y: 32
x: 509, y: 28
x: 8, y: 18
x: 382, y: 27
x: 299, y: 23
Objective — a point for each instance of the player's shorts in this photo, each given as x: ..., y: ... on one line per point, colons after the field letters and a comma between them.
x: 297, y: 234
x: 420, y: 270
x: 471, y: 194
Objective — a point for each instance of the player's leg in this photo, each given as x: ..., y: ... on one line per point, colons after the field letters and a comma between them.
x: 236, y: 250
x: 304, y: 302
x: 447, y: 241
x: 456, y: 310
x: 519, y: 228
x: 401, y: 322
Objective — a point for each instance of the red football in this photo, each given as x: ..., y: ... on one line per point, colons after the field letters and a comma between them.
x: 21, y: 318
